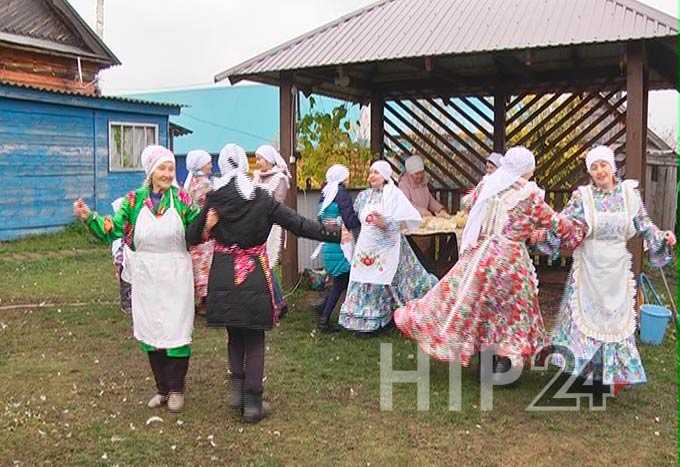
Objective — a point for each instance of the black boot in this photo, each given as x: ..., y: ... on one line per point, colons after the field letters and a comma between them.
x: 501, y: 365
x: 254, y: 408
x: 317, y: 308
x: 326, y: 327
x: 236, y: 392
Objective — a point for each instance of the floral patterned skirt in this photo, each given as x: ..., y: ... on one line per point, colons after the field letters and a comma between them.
x: 201, y: 259
x: 125, y: 289
x: 369, y: 307
x: 619, y: 363
x: 489, y: 299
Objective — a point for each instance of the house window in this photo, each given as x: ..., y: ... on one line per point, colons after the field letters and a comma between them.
x: 126, y: 143
x: 655, y: 173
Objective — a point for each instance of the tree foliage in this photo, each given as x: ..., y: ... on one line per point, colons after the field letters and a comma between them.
x: 324, y: 139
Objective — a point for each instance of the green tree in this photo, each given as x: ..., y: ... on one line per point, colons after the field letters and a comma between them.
x: 324, y: 139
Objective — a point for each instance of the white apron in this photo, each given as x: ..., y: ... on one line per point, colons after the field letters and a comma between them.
x: 604, y: 287
x: 277, y: 237
x: 162, y: 279
x: 376, y: 254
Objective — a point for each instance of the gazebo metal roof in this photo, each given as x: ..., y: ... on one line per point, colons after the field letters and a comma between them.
x: 420, y: 47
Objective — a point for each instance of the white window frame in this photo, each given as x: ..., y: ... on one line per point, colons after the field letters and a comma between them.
x: 133, y: 125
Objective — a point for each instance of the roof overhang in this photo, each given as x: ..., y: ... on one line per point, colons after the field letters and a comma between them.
x: 549, y: 69
x: 179, y: 130
x: 50, y: 47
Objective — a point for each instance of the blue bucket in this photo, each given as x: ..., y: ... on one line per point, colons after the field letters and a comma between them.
x: 653, y: 323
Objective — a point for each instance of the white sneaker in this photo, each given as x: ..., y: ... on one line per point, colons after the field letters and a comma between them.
x: 157, y: 401
x: 175, y: 402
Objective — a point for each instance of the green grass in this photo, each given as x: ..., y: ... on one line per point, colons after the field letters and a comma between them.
x: 74, y: 387
x: 73, y: 237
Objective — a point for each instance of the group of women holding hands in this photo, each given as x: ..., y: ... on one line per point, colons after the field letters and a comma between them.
x: 213, y: 246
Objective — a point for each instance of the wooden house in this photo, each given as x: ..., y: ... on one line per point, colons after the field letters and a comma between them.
x: 60, y: 139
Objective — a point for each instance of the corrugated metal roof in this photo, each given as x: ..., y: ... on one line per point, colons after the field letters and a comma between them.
x: 396, y: 29
x: 80, y: 94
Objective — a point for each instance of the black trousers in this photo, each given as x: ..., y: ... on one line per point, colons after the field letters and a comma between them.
x: 169, y: 372
x: 339, y: 286
x: 246, y: 357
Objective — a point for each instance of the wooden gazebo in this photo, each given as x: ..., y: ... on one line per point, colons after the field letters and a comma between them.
x: 459, y: 78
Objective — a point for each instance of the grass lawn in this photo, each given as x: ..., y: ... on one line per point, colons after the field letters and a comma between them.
x: 74, y: 389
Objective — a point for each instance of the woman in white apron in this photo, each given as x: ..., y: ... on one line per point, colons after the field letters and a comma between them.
x: 385, y: 272
x: 151, y: 221
x: 272, y: 174
x: 598, y: 310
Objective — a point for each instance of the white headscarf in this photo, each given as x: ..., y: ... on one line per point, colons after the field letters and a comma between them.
x: 233, y: 162
x: 152, y: 157
x: 516, y: 162
x: 495, y: 159
x: 601, y: 153
x: 396, y: 204
x: 414, y: 164
x: 271, y: 155
x: 196, y: 160
x: 335, y: 175
x: 384, y: 169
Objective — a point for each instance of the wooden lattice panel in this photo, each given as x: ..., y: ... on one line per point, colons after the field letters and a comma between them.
x: 453, y: 135
x: 561, y: 128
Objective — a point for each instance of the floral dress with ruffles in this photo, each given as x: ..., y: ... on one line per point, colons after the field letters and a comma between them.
x: 489, y: 299
x: 620, y: 363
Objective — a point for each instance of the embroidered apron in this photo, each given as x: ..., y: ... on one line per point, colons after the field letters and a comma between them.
x: 603, y: 302
x: 161, y: 274
x: 376, y: 254
x: 277, y: 236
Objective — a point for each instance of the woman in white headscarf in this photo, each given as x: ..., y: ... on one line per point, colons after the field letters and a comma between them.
x: 151, y: 221
x: 198, y: 184
x: 272, y: 174
x: 385, y: 272
x: 489, y: 299
x: 598, y: 310
x: 492, y: 163
x: 239, y: 216
x: 335, y: 208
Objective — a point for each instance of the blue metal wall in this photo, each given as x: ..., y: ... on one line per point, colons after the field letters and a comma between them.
x: 51, y: 154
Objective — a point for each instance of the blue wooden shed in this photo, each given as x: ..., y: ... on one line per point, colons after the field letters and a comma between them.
x: 57, y: 146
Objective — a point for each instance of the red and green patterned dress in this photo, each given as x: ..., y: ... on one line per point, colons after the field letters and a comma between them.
x: 202, y: 254
x: 490, y: 297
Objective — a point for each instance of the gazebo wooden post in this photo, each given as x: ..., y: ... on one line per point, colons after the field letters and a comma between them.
x: 289, y: 257
x: 377, y: 126
x: 636, y: 127
x: 499, y: 102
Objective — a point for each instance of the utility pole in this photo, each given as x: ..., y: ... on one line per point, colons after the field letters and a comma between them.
x: 100, y: 19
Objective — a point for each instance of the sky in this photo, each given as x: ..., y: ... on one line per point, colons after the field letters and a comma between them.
x: 170, y: 44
